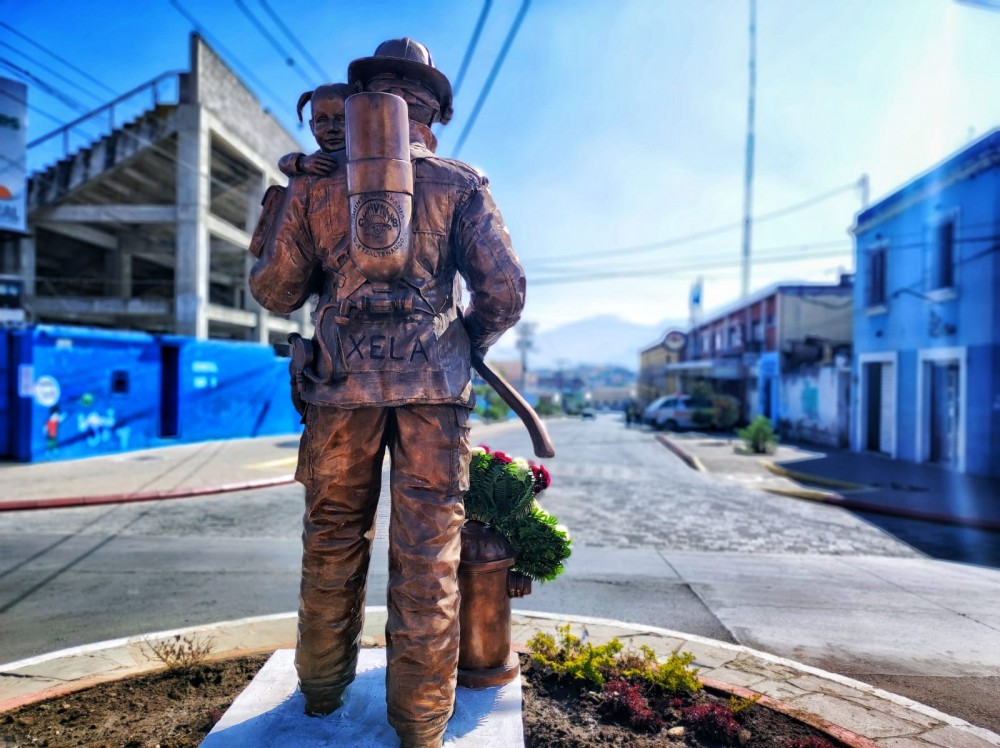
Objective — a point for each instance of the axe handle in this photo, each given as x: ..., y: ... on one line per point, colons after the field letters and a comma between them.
x: 536, y: 429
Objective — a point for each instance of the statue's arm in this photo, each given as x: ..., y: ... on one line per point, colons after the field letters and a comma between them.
x: 286, y: 272
x: 317, y: 164
x: 491, y: 270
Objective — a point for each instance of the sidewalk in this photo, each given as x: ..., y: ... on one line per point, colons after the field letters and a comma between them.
x: 167, y: 472
x: 853, y: 480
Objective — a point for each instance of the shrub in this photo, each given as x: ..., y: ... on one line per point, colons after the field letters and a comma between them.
x: 489, y: 405
x: 624, y: 702
x: 739, y: 704
x: 725, y: 412
x: 595, y: 665
x: 713, y: 721
x: 759, y: 435
x: 547, y: 408
x: 181, y: 653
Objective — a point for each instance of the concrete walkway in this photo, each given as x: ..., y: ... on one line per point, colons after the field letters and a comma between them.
x: 146, y: 475
x: 851, y: 711
x: 860, y: 481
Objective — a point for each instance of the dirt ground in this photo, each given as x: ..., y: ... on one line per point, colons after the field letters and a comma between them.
x: 176, y: 709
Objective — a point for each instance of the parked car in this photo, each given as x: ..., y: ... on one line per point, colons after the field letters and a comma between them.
x: 674, y: 412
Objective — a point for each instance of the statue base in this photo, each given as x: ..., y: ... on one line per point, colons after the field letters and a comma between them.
x: 497, y: 676
x: 269, y: 712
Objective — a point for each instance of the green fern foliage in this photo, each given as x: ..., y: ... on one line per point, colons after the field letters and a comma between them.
x: 502, y: 493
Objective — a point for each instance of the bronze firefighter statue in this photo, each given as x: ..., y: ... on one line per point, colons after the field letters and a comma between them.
x: 383, y: 234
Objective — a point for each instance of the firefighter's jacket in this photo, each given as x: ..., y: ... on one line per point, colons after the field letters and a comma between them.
x: 387, y: 344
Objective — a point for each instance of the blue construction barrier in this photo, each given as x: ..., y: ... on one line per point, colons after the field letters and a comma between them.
x: 77, y: 392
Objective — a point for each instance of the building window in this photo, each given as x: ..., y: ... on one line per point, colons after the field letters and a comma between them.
x: 735, y: 338
x: 875, y: 289
x: 718, y: 339
x: 942, y: 256
x: 757, y: 331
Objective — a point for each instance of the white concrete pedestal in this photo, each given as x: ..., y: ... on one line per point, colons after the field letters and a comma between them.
x: 269, y: 713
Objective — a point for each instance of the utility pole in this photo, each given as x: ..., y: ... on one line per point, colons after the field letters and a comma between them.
x: 525, y: 342
x: 748, y: 180
x: 864, y: 187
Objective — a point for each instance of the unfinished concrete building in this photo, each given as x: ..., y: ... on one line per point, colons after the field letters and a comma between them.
x: 146, y: 226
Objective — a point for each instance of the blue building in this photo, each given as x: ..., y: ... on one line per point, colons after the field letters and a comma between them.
x: 926, y: 318
x: 73, y: 392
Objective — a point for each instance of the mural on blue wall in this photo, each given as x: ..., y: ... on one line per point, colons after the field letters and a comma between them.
x: 83, y: 392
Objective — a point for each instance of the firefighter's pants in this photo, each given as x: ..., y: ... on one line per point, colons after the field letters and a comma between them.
x: 340, y: 464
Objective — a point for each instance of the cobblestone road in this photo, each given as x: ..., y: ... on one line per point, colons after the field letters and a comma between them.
x: 620, y: 488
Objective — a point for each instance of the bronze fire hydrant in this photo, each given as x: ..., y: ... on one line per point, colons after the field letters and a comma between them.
x: 486, y: 583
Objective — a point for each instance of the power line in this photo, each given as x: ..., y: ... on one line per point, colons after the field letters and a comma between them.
x: 63, y: 60
x: 63, y: 97
x: 49, y: 70
x: 471, y: 48
x: 295, y: 41
x: 705, y: 233
x: 645, y: 273
x: 492, y: 76
x: 232, y: 58
x: 289, y: 60
x: 32, y: 107
x: 706, y: 254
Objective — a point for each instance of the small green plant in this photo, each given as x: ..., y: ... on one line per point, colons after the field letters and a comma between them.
x: 503, y: 492
x: 593, y: 665
x: 759, y: 436
x: 739, y: 704
x: 181, y: 652
x: 489, y: 405
x: 546, y: 407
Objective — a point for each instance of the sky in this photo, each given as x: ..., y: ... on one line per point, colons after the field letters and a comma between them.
x: 611, y: 126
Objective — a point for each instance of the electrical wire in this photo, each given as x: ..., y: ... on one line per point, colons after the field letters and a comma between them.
x: 498, y: 63
x: 323, y: 75
x: 32, y: 107
x: 705, y: 233
x: 52, y: 91
x: 63, y: 60
x: 248, y: 72
x: 49, y: 70
x: 289, y: 60
x: 471, y: 48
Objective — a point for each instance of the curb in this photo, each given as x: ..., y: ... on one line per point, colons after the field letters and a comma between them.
x: 773, y: 677
x: 122, y: 498
x: 817, y: 480
x: 692, y: 462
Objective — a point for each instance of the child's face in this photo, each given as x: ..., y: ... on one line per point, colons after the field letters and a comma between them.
x: 327, y: 123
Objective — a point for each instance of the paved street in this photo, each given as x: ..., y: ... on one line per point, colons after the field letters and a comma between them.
x: 656, y: 543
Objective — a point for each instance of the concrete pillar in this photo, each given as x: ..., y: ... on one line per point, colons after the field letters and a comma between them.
x: 193, y: 249
x: 27, y: 264
x: 118, y: 278
x: 255, y: 193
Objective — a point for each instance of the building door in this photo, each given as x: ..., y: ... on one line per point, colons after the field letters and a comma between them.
x: 843, y: 408
x: 872, y: 405
x: 879, y: 406
x: 169, y: 391
x: 944, y: 413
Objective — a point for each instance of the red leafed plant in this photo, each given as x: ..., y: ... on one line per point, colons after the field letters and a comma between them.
x: 713, y: 721
x: 809, y: 742
x: 624, y: 702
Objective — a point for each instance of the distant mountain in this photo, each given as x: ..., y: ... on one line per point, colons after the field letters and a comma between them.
x: 604, y: 339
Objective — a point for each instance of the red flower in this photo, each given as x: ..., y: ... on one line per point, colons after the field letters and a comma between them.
x: 501, y: 457
x: 542, y: 478
x: 484, y: 448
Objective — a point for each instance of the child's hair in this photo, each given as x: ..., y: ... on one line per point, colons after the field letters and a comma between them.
x: 341, y: 90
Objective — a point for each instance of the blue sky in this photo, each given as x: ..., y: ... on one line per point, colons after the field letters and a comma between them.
x: 611, y: 124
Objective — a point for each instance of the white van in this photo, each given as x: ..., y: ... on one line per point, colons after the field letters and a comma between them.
x: 673, y: 412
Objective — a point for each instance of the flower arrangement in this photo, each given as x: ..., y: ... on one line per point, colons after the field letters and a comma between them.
x: 502, y: 493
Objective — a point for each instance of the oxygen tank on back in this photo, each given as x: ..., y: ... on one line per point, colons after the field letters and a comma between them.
x: 379, y: 184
